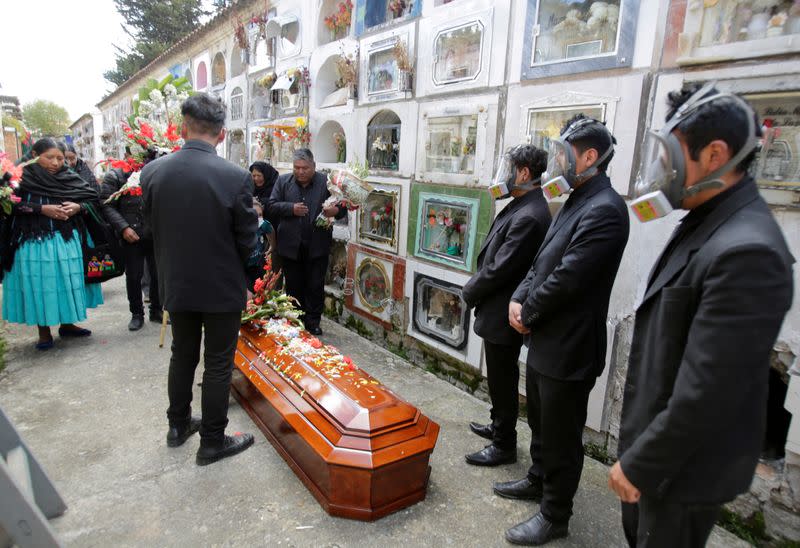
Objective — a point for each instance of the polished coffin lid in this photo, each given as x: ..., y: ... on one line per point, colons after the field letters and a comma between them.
x: 356, y: 420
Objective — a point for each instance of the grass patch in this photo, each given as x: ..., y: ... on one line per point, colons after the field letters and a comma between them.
x: 358, y: 326
x: 597, y: 452
x: 399, y: 350
x: 752, y: 529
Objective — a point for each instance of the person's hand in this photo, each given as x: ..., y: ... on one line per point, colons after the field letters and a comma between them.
x: 331, y: 211
x: 56, y: 212
x: 625, y: 490
x: 300, y: 209
x: 71, y: 208
x: 130, y: 236
x: 515, y: 318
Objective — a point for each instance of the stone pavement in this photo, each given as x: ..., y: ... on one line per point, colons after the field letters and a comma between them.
x: 93, y: 411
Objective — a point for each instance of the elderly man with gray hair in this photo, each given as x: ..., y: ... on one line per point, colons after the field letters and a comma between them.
x: 297, y: 200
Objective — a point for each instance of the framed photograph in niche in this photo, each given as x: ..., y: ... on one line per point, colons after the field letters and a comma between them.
x: 450, y: 144
x: 439, y: 311
x: 382, y: 71
x: 378, y: 218
x: 447, y: 226
x: 569, y: 36
x: 777, y: 165
x: 738, y: 29
x: 457, y: 53
x: 545, y: 124
x: 383, y: 141
x: 373, y: 285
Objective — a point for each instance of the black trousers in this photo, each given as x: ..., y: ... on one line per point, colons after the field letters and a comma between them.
x: 305, y: 281
x: 502, y: 374
x: 556, y: 415
x: 135, y: 255
x: 654, y: 523
x: 221, y: 334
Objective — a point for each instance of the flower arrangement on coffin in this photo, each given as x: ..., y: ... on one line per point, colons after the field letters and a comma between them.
x: 319, y: 360
x: 339, y: 21
x: 348, y: 189
x: 347, y: 67
x: 341, y: 146
x: 268, y: 302
x: 303, y: 134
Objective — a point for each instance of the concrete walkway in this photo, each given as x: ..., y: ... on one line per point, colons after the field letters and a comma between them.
x: 93, y: 411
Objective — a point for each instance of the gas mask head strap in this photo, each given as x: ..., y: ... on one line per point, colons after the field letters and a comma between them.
x: 688, y: 108
x: 592, y: 169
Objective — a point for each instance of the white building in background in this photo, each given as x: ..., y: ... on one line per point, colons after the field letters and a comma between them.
x: 87, y: 134
x: 481, y: 76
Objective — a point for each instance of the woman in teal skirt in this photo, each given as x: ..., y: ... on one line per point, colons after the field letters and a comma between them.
x: 43, y: 257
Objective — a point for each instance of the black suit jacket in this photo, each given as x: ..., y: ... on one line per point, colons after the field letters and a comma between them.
x: 506, y: 255
x: 566, y: 292
x: 281, y: 204
x: 200, y: 210
x: 694, y: 412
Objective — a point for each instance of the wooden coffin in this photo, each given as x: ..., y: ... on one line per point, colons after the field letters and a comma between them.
x: 361, y: 450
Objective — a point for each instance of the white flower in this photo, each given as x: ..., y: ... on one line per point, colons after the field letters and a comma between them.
x: 170, y: 90
x: 156, y: 96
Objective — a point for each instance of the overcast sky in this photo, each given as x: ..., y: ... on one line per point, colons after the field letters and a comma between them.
x: 58, y: 51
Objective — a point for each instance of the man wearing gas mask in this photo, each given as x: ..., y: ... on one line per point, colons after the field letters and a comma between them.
x: 693, y: 417
x: 562, y: 306
x: 503, y: 261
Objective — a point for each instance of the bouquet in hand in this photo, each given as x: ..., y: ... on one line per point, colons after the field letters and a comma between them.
x: 268, y: 302
x: 348, y: 189
x: 9, y: 177
x: 130, y: 188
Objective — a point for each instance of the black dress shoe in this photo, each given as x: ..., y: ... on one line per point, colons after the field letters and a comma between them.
x: 536, y: 531
x: 483, y: 430
x: 136, y: 323
x: 519, y: 490
x: 177, y: 436
x: 156, y: 316
x: 491, y: 455
x: 315, y: 331
x: 231, y: 445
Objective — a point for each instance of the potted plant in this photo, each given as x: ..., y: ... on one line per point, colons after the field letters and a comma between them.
x: 339, y: 21
x: 341, y: 147
x: 347, y: 67
x: 404, y: 68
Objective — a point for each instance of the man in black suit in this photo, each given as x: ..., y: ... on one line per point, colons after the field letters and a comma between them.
x: 200, y: 210
x: 303, y: 247
x: 694, y: 412
x: 562, y: 305
x: 503, y: 261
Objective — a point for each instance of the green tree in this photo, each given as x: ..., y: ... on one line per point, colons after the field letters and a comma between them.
x: 45, y: 118
x: 154, y: 26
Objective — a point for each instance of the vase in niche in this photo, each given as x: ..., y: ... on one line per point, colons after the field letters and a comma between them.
x: 757, y: 27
